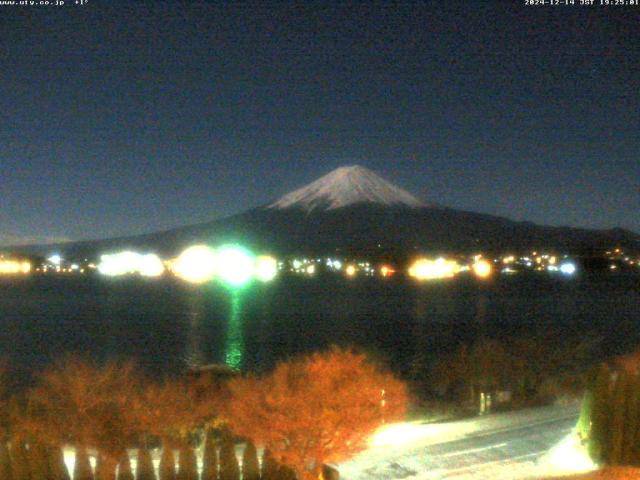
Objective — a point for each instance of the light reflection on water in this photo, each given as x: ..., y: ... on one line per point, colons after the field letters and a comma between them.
x: 194, y: 353
x: 234, y: 348
x: 167, y: 326
x: 199, y: 350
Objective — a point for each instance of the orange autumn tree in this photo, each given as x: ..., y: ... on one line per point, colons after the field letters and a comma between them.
x: 171, y: 410
x: 316, y: 409
x: 83, y: 404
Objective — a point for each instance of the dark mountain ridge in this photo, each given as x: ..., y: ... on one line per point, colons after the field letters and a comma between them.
x: 353, y: 211
x: 362, y: 229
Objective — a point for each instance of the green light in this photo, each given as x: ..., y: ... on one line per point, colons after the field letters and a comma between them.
x: 235, y: 265
x: 235, y: 342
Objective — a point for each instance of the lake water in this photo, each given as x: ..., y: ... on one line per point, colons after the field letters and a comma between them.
x: 166, y: 325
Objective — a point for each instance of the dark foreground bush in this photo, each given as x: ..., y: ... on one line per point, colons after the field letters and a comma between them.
x: 144, y: 469
x: 5, y: 462
x: 82, y: 468
x: 124, y: 467
x: 188, y: 467
x: 250, y: 465
x: 167, y: 468
x: 210, y: 459
x: 57, y: 467
x: 229, y: 469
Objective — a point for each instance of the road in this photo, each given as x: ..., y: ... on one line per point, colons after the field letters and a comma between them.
x: 496, y: 446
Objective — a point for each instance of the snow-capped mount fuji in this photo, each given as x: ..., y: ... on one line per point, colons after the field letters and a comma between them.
x: 347, y: 186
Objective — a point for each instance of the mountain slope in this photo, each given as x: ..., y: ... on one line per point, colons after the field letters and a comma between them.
x: 347, y: 186
x: 352, y: 211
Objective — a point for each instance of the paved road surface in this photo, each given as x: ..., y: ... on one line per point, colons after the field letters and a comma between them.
x: 496, y: 446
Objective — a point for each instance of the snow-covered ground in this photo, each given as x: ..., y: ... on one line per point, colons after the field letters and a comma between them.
x: 532, y: 443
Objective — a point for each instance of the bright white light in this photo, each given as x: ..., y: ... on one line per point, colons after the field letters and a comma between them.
x: 235, y: 265
x: 568, y: 268
x: 568, y: 456
x: 150, y: 265
x: 55, y: 259
x: 410, y: 434
x: 297, y: 264
x: 69, y: 458
x: 266, y: 268
x: 196, y: 264
x: 311, y: 269
x: 117, y: 264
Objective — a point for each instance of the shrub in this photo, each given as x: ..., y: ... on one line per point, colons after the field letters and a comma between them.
x: 5, y: 462
x: 618, y: 413
x: 269, y: 466
x: 19, y: 460
x: 124, y: 467
x: 600, y: 415
x: 57, y: 467
x: 167, y: 469
x: 80, y: 403
x: 82, y: 467
x: 210, y: 459
x: 188, y: 467
x: 170, y: 410
x: 250, y: 465
x: 613, y: 406
x: 144, y: 468
x: 229, y: 469
x: 38, y: 462
x: 286, y: 473
x: 316, y: 409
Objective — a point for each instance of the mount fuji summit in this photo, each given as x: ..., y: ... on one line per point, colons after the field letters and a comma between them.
x: 347, y: 186
x: 354, y: 211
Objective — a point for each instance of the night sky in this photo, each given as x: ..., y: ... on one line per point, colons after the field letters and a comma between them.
x: 123, y: 117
